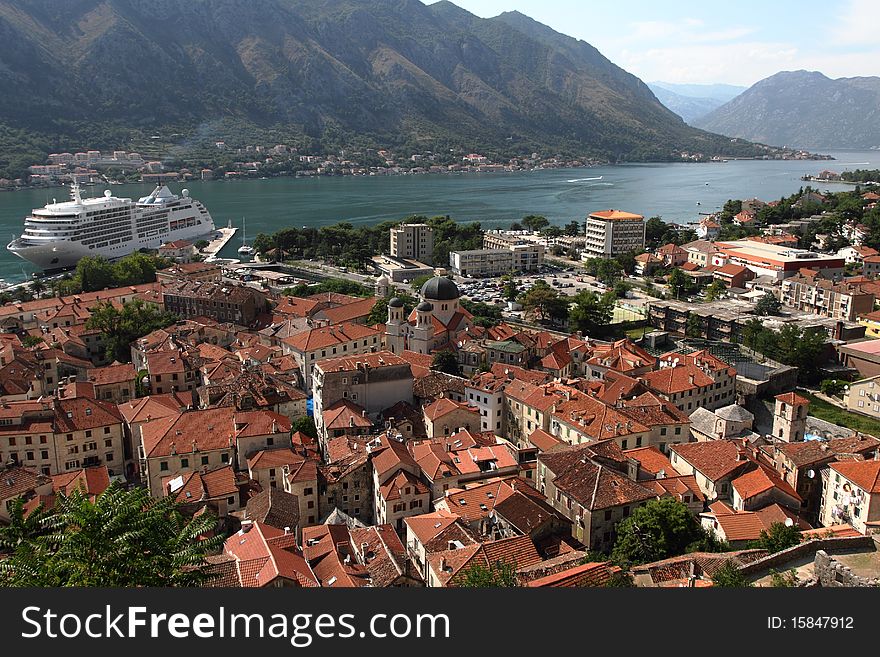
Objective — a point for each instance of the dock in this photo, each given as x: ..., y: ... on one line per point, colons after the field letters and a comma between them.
x: 222, y: 237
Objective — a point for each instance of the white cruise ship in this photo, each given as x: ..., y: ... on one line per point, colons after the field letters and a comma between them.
x: 59, y: 234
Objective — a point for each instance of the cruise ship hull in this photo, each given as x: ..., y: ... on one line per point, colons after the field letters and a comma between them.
x: 60, y: 235
x: 60, y: 254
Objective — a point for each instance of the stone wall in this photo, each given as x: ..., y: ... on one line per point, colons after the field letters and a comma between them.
x: 831, y: 572
x: 779, y: 560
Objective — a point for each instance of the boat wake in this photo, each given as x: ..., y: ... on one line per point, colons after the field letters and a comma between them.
x: 577, y: 180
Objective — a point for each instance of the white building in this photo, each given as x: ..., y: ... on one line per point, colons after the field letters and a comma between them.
x: 613, y: 232
x: 413, y: 242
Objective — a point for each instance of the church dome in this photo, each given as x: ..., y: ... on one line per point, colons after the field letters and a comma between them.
x: 424, y: 307
x: 395, y: 303
x: 440, y: 288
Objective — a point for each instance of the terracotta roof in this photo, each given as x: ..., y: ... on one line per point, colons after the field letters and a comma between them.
x: 118, y: 373
x: 615, y: 215
x: 651, y: 459
x: 760, y: 480
x: 16, y: 480
x: 543, y: 440
x: 345, y: 414
x: 680, y: 378
x: 428, y: 525
x: 793, y: 399
x: 81, y: 413
x: 809, y: 452
x: 714, y: 459
x: 328, y: 336
x: 264, y: 554
x: 373, y: 360
x: 275, y: 508
x: 595, y: 574
x: 92, y: 481
x: 151, y: 407
x: 444, y: 406
x: 590, y: 484
x: 204, y: 430
x: 864, y: 474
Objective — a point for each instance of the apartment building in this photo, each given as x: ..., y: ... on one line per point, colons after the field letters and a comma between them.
x: 825, y: 297
x: 413, y: 242
x: 613, y: 232
x: 502, y: 257
x: 314, y: 344
x: 238, y: 304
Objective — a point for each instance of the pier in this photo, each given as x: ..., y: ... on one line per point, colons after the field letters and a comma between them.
x: 222, y: 237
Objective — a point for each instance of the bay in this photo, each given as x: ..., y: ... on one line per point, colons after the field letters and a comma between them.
x: 677, y: 192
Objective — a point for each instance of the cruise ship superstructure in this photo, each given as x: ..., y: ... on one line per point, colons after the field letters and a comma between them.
x: 59, y: 234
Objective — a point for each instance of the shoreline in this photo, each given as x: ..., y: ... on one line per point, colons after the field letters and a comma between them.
x: 566, y: 165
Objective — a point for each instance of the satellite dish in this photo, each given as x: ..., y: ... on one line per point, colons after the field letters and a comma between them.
x: 107, y: 193
x: 789, y: 522
x: 811, y: 473
x: 184, y: 193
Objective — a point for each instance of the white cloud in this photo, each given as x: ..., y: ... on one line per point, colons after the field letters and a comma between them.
x: 856, y: 24
x: 733, y: 63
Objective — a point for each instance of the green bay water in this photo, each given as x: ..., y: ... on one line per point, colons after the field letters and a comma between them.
x: 677, y: 192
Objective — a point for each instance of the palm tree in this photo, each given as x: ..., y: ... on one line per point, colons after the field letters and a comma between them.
x: 123, y: 538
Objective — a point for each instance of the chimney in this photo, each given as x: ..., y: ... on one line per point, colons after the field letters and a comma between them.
x: 286, y: 530
x: 691, y: 379
x: 246, y: 526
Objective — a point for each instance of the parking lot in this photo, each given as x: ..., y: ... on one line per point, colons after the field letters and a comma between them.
x: 566, y: 281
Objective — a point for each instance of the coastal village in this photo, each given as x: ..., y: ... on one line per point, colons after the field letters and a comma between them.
x: 259, y: 161
x: 431, y: 446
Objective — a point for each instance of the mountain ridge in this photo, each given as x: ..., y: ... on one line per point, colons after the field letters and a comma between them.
x: 320, y: 73
x: 803, y: 109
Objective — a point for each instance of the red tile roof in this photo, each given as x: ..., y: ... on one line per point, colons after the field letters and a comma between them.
x: 793, y: 399
x: 864, y: 474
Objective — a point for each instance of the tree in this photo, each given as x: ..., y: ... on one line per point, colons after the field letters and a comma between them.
x: 768, y: 305
x: 551, y: 231
x: 543, y: 301
x: 678, y: 281
x: 655, y: 229
x: 780, y: 537
x: 831, y: 387
x: 516, y: 226
x: 379, y: 312
x: 608, y: 271
x: 122, y: 539
x: 201, y: 244
x: 783, y: 580
x: 534, y: 222
x: 620, y: 579
x: 495, y: 575
x: 417, y: 283
x: 38, y: 287
x: 31, y: 341
x: 306, y: 425
x: 573, y: 228
x: 715, y: 290
x: 694, y: 326
x: 729, y: 576
x: 591, y: 312
x: 446, y: 361
x: 509, y: 291
x: 121, y: 327
x: 660, y: 529
x: 94, y: 273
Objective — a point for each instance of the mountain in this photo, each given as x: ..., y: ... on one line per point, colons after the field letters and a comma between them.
x: 691, y: 101
x: 317, y: 73
x: 803, y: 109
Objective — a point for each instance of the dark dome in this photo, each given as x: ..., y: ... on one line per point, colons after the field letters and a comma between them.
x: 394, y: 302
x: 440, y: 288
x: 425, y: 307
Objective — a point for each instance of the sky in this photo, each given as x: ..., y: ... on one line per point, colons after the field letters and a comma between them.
x: 713, y: 41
